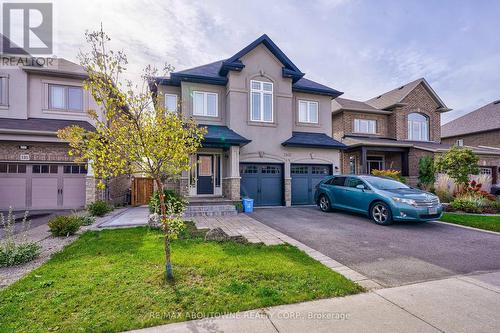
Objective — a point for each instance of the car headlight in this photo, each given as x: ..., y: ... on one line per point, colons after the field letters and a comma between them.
x: 410, y: 202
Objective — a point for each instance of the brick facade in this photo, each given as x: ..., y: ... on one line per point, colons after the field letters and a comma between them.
x: 38, y: 152
x: 419, y: 101
x: 348, y: 122
x: 490, y: 139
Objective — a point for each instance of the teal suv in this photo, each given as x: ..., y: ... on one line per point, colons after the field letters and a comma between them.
x: 382, y: 199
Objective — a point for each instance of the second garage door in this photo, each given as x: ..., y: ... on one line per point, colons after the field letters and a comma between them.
x: 305, y: 177
x: 263, y: 183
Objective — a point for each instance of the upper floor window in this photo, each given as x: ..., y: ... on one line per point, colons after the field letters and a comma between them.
x: 171, y: 102
x: 308, y: 112
x: 261, y: 101
x: 365, y: 126
x: 205, y: 104
x: 4, y: 92
x: 65, y: 97
x: 418, y: 127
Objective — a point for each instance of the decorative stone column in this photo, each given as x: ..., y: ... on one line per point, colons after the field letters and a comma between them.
x: 231, y: 183
x: 288, y: 183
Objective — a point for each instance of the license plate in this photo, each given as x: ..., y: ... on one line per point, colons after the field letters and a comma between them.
x: 433, y: 210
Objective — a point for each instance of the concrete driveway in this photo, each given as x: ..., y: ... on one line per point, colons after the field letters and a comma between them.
x: 395, y: 255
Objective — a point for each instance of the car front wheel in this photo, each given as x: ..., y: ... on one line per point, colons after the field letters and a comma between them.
x: 381, y: 214
x: 324, y: 203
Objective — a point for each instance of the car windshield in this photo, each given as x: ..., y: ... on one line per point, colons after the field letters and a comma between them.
x: 384, y: 183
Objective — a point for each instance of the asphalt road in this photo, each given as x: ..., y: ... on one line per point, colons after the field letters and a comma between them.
x: 393, y: 255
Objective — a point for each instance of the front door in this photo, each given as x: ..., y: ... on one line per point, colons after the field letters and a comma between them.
x: 205, y: 170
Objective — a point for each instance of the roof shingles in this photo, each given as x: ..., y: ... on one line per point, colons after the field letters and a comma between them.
x: 486, y: 118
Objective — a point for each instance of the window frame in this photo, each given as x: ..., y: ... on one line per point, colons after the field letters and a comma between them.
x: 66, y: 89
x: 357, y: 125
x: 411, y: 123
x: 176, y: 102
x: 261, y: 92
x: 4, y: 90
x: 308, y: 104
x: 460, y: 142
x: 205, y: 103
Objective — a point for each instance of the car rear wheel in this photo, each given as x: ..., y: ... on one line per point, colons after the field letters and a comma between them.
x: 324, y: 203
x: 381, y: 213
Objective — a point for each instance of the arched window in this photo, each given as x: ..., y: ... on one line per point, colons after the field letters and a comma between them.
x: 418, y: 127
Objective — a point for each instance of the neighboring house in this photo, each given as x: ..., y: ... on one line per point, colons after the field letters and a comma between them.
x: 269, y: 128
x: 36, y: 172
x: 394, y: 130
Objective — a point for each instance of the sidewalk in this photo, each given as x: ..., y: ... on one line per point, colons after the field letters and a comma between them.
x: 459, y: 304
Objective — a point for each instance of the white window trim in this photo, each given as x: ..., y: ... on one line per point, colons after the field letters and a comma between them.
x: 205, y: 103
x: 4, y: 91
x: 412, y: 123
x: 176, y: 102
x: 357, y: 126
x: 308, y: 114
x: 460, y: 142
x: 262, y: 92
x: 66, y: 97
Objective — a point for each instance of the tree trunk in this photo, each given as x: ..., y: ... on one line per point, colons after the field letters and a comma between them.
x: 169, y: 275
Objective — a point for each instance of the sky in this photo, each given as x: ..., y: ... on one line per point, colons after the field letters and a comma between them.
x: 363, y: 48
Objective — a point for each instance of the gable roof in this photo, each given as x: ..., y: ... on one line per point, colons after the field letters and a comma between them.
x: 352, y: 105
x: 395, y: 97
x: 216, y: 72
x: 486, y: 118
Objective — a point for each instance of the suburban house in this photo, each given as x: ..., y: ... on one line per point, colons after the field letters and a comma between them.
x: 269, y: 128
x: 395, y: 129
x: 36, y: 171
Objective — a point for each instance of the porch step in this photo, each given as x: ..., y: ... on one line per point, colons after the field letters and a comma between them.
x: 210, y: 210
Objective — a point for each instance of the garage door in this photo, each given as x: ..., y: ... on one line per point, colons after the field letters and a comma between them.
x: 305, y: 177
x: 263, y: 183
x: 41, y: 186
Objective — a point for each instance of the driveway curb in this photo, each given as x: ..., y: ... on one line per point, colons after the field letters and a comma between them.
x: 467, y: 227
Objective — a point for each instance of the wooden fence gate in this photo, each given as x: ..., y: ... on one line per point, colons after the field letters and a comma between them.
x: 142, y: 190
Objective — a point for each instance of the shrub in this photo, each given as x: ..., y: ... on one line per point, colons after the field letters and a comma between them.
x: 495, y: 204
x: 458, y: 163
x: 175, y: 202
x: 64, y: 225
x: 469, y: 203
x: 18, y: 254
x: 444, y: 196
x: 99, y: 208
x: 426, y: 172
x: 474, y: 189
x: 394, y: 174
x: 12, y: 253
x: 86, y: 219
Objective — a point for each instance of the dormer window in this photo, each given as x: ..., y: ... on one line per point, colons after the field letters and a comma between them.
x: 418, y: 127
x: 261, y: 101
x: 69, y: 98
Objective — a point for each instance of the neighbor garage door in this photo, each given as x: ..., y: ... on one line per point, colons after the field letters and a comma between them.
x: 305, y: 177
x: 263, y: 183
x: 41, y: 186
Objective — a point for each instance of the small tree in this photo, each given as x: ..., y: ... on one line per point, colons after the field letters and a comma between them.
x: 458, y: 163
x: 135, y: 134
x: 426, y: 172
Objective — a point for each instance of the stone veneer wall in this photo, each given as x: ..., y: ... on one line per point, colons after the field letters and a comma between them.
x: 288, y: 192
x: 231, y: 188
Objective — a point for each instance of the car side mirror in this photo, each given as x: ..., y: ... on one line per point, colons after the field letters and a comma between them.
x: 361, y: 187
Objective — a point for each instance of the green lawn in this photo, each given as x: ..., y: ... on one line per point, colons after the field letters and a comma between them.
x: 112, y: 280
x: 477, y: 221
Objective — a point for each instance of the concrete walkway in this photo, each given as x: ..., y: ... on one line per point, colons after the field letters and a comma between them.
x: 460, y: 304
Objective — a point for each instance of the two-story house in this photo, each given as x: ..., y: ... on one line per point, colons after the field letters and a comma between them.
x: 269, y: 128
x: 36, y: 172
x: 394, y: 130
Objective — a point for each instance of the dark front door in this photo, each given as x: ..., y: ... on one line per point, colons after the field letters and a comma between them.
x: 205, y: 168
x: 305, y: 177
x: 263, y: 183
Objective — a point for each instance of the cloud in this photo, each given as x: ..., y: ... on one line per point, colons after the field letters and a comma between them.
x: 363, y: 48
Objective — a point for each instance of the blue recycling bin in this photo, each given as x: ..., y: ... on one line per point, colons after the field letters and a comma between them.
x: 247, y: 205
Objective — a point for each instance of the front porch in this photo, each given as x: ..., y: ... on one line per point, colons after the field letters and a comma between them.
x: 364, y: 159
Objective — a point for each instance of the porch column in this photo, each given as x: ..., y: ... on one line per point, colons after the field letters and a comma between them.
x: 363, y: 161
x: 231, y: 183
x: 404, y: 164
